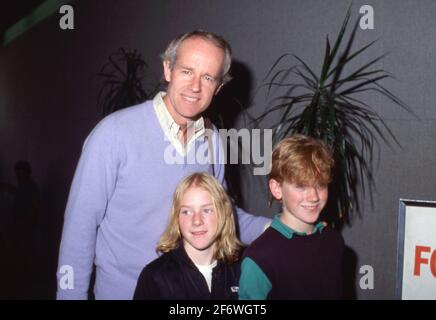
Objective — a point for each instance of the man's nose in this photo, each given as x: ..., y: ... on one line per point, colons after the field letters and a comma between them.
x: 196, y: 84
x: 197, y: 219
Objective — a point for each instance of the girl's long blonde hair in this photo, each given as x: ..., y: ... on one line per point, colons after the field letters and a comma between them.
x: 227, y: 245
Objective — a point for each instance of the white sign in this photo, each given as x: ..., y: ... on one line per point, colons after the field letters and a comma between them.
x: 416, y: 265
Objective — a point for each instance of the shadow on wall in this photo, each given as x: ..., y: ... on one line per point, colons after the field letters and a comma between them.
x: 55, y: 198
x: 21, y: 234
x: 30, y: 228
x: 5, y: 214
x: 227, y: 107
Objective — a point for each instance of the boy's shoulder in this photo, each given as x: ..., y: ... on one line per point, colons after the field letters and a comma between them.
x: 333, y: 235
x: 266, y: 242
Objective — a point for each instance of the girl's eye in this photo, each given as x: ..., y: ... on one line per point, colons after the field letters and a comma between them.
x: 185, y: 211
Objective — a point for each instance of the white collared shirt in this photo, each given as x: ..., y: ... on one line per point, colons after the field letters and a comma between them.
x: 206, y: 271
x: 195, y: 129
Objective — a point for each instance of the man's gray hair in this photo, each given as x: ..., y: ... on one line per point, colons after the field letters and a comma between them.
x: 170, y: 53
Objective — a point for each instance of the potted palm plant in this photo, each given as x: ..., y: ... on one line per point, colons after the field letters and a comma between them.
x: 329, y: 106
x: 123, y: 77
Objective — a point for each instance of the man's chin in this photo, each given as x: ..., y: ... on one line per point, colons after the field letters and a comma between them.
x: 193, y: 113
x: 192, y: 118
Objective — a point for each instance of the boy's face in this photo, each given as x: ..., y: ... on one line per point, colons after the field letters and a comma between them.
x: 302, y: 204
x: 198, y: 222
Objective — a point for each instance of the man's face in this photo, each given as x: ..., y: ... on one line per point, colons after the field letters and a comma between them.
x: 194, y: 79
x: 302, y: 204
x: 198, y: 222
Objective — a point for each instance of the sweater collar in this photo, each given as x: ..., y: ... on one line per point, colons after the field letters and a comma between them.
x: 288, y: 232
x: 181, y: 255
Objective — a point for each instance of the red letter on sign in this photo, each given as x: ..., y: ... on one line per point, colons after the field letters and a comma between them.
x: 433, y: 263
x: 419, y: 260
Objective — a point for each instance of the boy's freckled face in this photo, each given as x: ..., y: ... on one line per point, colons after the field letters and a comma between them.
x: 302, y: 205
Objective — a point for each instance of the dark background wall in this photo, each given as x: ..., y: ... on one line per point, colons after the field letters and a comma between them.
x: 48, y: 90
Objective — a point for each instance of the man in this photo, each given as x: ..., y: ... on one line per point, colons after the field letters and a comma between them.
x: 121, y: 193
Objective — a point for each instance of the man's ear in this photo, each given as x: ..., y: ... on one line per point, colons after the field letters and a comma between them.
x: 167, y: 70
x: 276, y: 188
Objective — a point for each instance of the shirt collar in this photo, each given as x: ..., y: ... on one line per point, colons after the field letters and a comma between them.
x: 182, y: 256
x: 289, y: 232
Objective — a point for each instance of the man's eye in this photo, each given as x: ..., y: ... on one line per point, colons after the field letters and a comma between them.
x: 187, y: 72
x: 209, y: 78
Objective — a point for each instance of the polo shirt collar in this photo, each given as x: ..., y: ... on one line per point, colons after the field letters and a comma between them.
x: 289, y: 232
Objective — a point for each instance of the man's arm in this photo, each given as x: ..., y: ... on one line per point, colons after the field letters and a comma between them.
x: 251, y: 226
x: 93, y: 184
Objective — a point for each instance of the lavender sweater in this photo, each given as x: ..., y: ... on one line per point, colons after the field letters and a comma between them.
x: 119, y: 203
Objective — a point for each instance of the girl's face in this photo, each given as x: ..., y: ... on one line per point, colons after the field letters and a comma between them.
x: 198, y: 222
